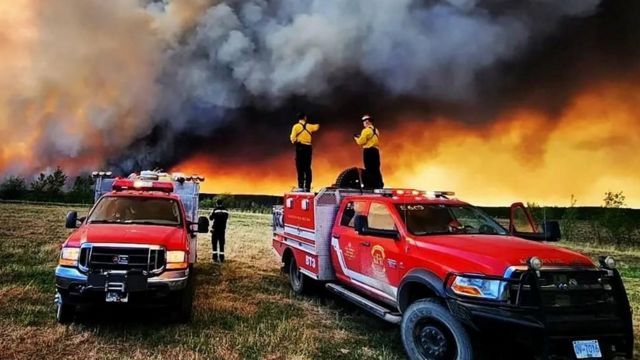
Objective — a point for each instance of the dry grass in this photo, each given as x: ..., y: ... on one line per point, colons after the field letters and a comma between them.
x: 244, y: 309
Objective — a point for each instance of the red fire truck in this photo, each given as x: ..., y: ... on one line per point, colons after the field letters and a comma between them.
x: 451, y: 276
x: 136, y: 245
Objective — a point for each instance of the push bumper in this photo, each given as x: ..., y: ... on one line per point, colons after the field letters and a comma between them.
x: 548, y: 332
x: 544, y: 336
x: 75, y: 284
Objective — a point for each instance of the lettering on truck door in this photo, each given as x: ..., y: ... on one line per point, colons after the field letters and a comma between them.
x: 380, y: 256
x: 346, y: 244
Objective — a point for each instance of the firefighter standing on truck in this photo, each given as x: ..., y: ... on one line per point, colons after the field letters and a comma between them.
x: 301, y: 138
x: 368, y: 139
x: 219, y: 216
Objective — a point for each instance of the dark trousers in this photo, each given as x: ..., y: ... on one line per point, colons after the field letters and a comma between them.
x: 217, y: 238
x: 303, y: 166
x: 373, y: 178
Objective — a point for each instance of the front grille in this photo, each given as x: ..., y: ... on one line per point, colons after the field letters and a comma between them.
x: 574, y: 291
x: 123, y: 258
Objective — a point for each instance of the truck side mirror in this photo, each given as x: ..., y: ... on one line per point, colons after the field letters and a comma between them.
x: 72, y: 220
x: 551, y: 230
x: 361, y: 223
x: 203, y: 224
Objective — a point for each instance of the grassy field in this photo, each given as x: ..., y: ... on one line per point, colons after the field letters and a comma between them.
x: 244, y: 309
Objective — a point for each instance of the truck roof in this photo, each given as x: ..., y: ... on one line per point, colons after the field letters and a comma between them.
x: 393, y: 196
x: 139, y: 193
x: 407, y: 199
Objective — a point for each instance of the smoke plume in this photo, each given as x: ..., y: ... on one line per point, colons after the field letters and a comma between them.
x: 131, y: 84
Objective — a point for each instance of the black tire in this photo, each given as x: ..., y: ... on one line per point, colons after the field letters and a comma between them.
x: 183, y: 305
x: 430, y: 332
x: 299, y: 281
x: 64, y: 312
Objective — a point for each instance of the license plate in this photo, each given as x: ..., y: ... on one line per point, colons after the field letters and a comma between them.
x: 587, y: 349
x: 116, y: 297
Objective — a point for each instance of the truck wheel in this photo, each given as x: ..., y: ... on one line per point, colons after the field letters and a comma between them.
x: 297, y: 279
x: 184, y: 300
x: 430, y: 332
x: 64, y: 312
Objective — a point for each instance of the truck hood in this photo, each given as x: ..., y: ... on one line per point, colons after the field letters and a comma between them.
x: 491, y: 254
x: 173, y: 238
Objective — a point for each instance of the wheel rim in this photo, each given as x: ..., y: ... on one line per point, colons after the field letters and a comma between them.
x: 296, y: 275
x: 434, y: 341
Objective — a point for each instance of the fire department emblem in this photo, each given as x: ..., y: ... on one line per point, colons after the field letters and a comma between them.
x: 378, y: 256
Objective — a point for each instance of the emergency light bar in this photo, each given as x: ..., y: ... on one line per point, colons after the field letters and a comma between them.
x: 440, y: 194
x: 96, y: 174
x: 399, y: 192
x: 179, y: 177
x: 142, y: 185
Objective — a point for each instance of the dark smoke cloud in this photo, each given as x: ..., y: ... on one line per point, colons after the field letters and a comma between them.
x: 232, y: 83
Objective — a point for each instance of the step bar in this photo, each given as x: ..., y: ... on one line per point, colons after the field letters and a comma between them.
x: 375, y: 309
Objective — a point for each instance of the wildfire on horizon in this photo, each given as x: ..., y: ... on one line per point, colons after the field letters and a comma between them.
x: 530, y: 101
x: 590, y: 148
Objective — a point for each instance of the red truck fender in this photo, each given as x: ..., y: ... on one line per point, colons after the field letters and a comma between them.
x: 419, y: 284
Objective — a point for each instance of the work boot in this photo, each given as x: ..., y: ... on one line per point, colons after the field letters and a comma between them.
x: 221, y: 257
x: 214, y: 258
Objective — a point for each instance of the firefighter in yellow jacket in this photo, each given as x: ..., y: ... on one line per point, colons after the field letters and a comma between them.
x: 301, y: 138
x: 368, y: 140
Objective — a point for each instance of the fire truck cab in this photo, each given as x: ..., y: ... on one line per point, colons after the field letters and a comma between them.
x: 452, y: 277
x: 136, y: 245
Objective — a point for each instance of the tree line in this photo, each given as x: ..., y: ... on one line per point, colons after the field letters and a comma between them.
x: 611, y: 223
x: 54, y: 187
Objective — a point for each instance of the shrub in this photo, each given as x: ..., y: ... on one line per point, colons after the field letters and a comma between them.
x: 13, y: 188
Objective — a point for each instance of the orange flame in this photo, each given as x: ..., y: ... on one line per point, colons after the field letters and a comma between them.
x: 590, y: 148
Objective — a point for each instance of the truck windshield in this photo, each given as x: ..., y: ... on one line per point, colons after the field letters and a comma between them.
x: 136, y: 210
x: 423, y: 219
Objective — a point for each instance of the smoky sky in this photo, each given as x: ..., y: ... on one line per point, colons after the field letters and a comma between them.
x: 231, y: 85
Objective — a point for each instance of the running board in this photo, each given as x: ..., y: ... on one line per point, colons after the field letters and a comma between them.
x: 368, y: 305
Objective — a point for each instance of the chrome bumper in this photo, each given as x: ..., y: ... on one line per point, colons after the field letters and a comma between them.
x: 174, y: 279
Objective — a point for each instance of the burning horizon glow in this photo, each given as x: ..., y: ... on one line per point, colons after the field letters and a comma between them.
x: 86, y: 83
x: 588, y: 149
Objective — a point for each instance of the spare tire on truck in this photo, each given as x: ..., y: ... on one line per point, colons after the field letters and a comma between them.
x: 353, y: 178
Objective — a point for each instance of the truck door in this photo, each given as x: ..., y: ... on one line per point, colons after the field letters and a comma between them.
x: 380, y: 256
x: 346, y: 243
x: 520, y: 220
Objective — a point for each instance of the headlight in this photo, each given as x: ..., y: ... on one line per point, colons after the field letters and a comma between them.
x: 69, y: 256
x: 607, y: 262
x: 535, y: 263
x: 176, y: 259
x: 481, y: 288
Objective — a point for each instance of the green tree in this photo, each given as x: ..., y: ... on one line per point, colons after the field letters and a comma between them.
x: 227, y: 200
x: 38, y: 186
x: 615, y: 219
x: 82, y: 190
x: 13, y: 188
x: 614, y: 200
x: 49, y: 187
x: 55, y: 183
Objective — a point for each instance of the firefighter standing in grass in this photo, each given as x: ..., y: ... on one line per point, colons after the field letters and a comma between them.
x: 219, y: 216
x: 301, y: 138
x: 368, y: 140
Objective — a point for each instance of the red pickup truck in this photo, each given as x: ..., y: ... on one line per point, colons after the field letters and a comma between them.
x: 136, y: 245
x: 452, y: 277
